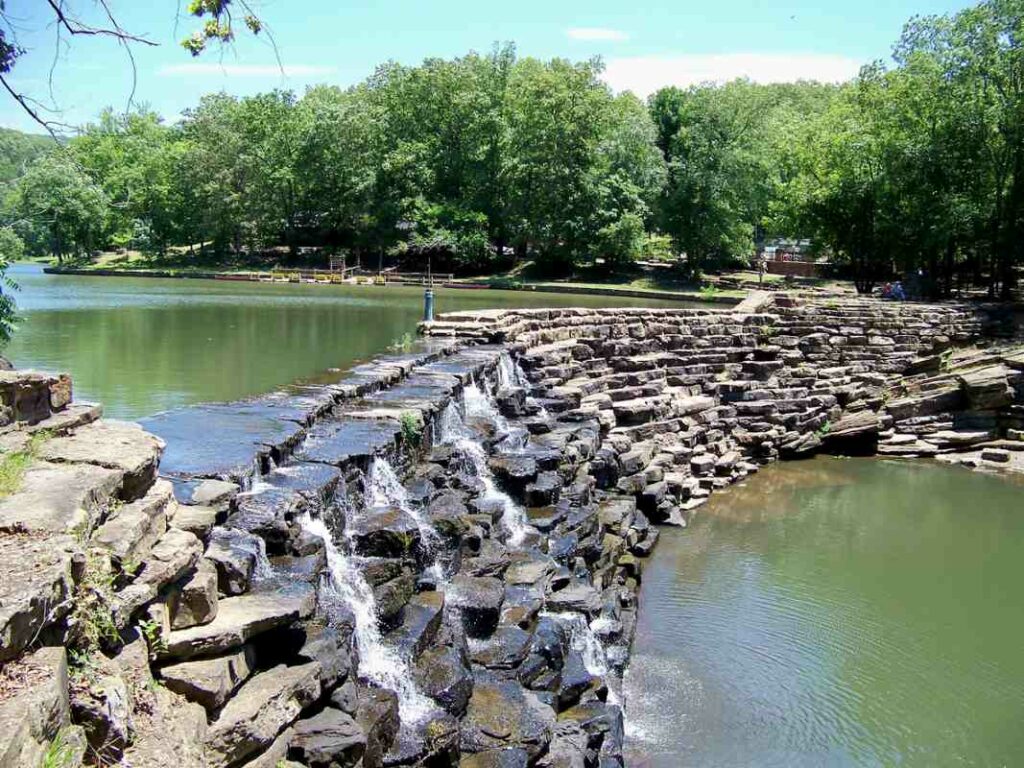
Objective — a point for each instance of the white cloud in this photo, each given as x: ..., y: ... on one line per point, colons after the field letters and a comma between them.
x: 595, y: 33
x: 244, y: 70
x: 645, y: 74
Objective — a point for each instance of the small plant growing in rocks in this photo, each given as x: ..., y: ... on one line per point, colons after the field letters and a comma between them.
x: 403, y: 343
x: 412, y: 428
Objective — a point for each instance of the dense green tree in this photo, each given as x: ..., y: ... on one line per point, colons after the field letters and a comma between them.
x: 57, y: 199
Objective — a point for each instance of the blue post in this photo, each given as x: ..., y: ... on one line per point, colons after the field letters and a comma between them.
x: 428, y: 305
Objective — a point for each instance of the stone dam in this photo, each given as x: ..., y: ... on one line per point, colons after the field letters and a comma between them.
x: 436, y: 561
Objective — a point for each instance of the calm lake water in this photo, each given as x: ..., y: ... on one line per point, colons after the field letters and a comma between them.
x: 143, y: 345
x: 836, y: 613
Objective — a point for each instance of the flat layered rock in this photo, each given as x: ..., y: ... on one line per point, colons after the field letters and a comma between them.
x: 261, y: 709
x: 117, y: 445
x: 59, y: 498
x: 235, y: 435
x: 35, y: 708
x: 210, y: 682
x: 239, y: 619
x: 131, y: 531
x: 35, y: 584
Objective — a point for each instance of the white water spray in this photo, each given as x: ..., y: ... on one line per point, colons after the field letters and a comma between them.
x: 344, y: 583
x: 585, y: 642
x: 452, y: 431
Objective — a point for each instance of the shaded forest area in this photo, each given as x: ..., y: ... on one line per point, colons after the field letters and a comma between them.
x: 487, y: 160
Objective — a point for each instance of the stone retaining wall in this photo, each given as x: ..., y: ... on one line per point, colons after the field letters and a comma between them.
x: 436, y: 560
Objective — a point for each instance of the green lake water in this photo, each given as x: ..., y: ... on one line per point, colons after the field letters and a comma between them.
x: 144, y: 345
x: 836, y: 612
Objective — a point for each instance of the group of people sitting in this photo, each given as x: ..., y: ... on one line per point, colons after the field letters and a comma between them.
x: 894, y: 291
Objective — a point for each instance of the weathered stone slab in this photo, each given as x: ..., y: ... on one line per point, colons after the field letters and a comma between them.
x: 117, y: 445
x: 261, y: 709
x: 31, y: 717
x: 35, y: 584
x: 210, y: 682
x: 59, y: 498
x: 239, y: 619
x: 173, y: 556
x: 131, y: 531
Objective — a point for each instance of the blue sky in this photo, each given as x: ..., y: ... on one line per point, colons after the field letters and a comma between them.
x: 645, y: 44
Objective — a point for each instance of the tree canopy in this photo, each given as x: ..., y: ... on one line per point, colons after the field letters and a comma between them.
x: 915, y: 168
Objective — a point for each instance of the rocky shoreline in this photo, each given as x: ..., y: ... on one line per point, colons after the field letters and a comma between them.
x: 435, y: 561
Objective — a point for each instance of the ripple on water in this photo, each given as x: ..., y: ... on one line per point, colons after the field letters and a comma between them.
x: 838, y: 614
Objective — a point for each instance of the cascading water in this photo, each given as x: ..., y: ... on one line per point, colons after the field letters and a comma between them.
x: 452, y: 431
x: 511, y: 374
x: 585, y: 642
x: 344, y: 583
x: 386, y: 490
x: 479, y: 406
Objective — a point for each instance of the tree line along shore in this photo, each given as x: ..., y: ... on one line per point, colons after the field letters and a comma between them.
x: 481, y: 163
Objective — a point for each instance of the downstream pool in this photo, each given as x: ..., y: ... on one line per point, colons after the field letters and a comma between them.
x: 142, y: 345
x: 836, y: 612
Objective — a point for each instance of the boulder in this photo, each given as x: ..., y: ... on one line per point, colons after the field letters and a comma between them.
x: 478, y: 600
x: 195, y: 519
x: 544, y: 491
x: 235, y: 554
x: 261, y: 709
x: 239, y: 619
x: 496, y: 758
x: 384, y: 532
x: 514, y: 472
x: 506, y: 648
x: 377, y: 714
x: 210, y: 682
x: 331, y: 739
x: 443, y: 674
x: 171, y: 558
x: 421, y: 620
x: 502, y: 715
x: 578, y: 598
x: 194, y: 599
x: 333, y: 649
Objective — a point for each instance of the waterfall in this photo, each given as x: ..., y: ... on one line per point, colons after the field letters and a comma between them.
x: 452, y: 431
x: 510, y: 373
x: 386, y: 490
x: 583, y: 640
x: 480, y: 406
x: 378, y: 663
